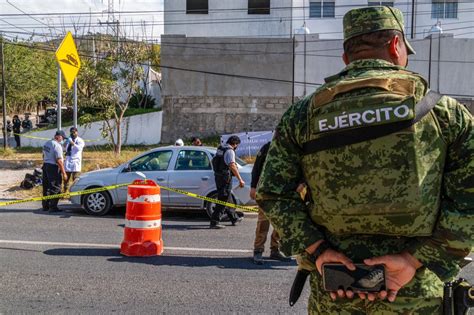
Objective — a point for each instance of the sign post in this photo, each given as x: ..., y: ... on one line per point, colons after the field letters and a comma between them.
x: 59, y: 101
x: 75, y: 105
x: 69, y: 65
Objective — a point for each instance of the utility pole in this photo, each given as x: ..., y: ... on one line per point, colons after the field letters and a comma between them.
x: 4, y: 96
x: 293, y: 77
x: 59, y: 100
x: 413, y: 5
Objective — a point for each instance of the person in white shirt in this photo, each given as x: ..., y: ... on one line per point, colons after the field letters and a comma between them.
x: 73, y: 163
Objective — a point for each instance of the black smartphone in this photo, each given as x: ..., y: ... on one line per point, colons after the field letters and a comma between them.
x: 363, y: 279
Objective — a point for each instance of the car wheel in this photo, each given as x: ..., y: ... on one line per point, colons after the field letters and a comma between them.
x: 97, y: 203
x: 210, y: 206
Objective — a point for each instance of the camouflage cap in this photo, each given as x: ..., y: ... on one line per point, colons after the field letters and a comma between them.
x: 372, y: 19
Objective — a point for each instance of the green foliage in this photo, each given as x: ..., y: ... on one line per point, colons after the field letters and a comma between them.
x: 155, y: 56
x: 141, y: 100
x: 106, y: 85
x: 106, y: 82
x: 30, y: 75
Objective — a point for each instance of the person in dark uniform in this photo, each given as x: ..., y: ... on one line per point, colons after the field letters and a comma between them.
x: 9, y: 128
x: 224, y: 167
x: 53, y: 170
x: 26, y: 124
x: 17, y: 130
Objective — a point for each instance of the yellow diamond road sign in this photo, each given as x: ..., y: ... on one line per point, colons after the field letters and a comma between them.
x: 68, y: 59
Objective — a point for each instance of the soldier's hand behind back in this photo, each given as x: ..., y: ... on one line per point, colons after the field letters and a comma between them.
x: 333, y: 256
x: 399, y: 270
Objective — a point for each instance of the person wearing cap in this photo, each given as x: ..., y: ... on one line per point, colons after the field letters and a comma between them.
x: 389, y: 166
x: 74, y: 147
x: 53, y: 170
x: 179, y: 143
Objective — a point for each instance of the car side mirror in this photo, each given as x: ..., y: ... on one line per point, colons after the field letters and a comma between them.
x: 127, y: 169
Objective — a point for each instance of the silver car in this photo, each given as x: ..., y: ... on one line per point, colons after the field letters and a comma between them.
x: 186, y: 168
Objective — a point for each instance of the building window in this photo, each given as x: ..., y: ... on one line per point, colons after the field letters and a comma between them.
x: 447, y: 9
x: 379, y: 3
x: 259, y: 7
x: 197, y: 6
x: 319, y: 9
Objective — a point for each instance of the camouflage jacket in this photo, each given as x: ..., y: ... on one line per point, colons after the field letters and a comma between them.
x: 453, y: 235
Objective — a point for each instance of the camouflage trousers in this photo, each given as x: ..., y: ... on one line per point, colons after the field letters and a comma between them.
x: 423, y: 295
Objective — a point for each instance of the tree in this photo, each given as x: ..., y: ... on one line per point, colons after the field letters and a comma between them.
x: 30, y: 74
x: 107, y: 84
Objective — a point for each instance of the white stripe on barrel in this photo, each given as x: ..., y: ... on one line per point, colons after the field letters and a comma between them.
x: 149, y: 224
x: 145, y: 198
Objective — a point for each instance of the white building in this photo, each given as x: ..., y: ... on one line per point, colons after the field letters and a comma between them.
x: 280, y: 18
x: 222, y: 18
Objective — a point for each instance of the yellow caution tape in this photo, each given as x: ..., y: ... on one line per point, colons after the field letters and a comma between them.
x: 111, y: 187
x: 42, y: 138
x: 224, y: 203
x: 63, y: 195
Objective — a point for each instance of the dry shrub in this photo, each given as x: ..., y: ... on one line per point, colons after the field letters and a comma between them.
x: 249, y: 159
x: 7, y: 153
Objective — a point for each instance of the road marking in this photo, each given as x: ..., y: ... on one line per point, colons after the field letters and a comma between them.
x: 184, y: 249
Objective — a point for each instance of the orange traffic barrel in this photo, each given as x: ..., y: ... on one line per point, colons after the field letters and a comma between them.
x: 143, y: 220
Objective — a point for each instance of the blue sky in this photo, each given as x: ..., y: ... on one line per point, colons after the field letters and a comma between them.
x: 134, y: 25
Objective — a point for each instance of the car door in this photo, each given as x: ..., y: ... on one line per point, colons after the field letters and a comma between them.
x: 193, y: 173
x: 153, y: 165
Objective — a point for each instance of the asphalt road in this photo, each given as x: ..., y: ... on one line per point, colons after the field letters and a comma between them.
x: 47, y: 266
x: 70, y: 263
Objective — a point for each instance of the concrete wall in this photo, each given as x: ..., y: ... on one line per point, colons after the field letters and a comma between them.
x: 198, y: 101
x: 228, y: 18
x: 139, y: 129
x: 201, y: 102
x: 185, y: 117
x: 238, y: 57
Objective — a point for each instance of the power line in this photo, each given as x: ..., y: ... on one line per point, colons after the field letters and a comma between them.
x: 251, y: 52
x: 192, y: 45
x: 216, y: 73
x: 229, y: 42
x: 210, y: 10
x: 27, y: 14
x: 241, y: 20
x: 185, y: 69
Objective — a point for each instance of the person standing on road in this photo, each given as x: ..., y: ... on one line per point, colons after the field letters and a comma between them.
x: 53, y: 170
x: 17, y: 130
x: 263, y: 225
x: 389, y: 166
x: 224, y: 166
x: 9, y: 128
x: 26, y: 124
x: 73, y: 163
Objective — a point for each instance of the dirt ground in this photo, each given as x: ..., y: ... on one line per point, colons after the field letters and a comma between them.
x: 10, y: 183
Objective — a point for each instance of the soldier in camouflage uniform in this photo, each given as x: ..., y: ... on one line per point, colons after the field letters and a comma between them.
x: 405, y: 200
